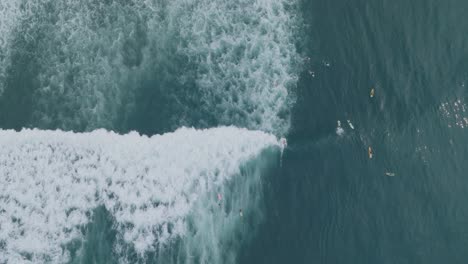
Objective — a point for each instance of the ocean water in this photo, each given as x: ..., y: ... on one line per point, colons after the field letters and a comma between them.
x: 146, y: 131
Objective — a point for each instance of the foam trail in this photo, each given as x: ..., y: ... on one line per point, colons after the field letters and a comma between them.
x: 52, y: 181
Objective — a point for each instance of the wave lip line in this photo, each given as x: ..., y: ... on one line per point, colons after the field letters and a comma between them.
x: 52, y: 180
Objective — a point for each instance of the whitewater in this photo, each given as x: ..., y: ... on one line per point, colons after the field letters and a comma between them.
x: 83, y: 65
x: 207, y: 85
x: 52, y: 181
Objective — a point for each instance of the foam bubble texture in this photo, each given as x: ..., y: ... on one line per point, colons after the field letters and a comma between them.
x: 456, y: 113
x: 92, y: 57
x: 245, y: 56
x: 51, y: 181
x: 85, y: 78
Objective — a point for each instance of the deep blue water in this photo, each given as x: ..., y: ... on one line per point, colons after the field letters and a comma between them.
x: 328, y: 202
x: 331, y: 203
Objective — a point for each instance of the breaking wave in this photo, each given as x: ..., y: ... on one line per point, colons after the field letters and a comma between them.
x: 151, y: 66
x: 159, y: 192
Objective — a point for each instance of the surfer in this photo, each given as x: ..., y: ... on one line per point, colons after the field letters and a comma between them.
x: 370, y: 152
x: 220, y: 198
x: 241, y: 214
x: 350, y: 124
x: 372, y: 92
x: 339, y: 129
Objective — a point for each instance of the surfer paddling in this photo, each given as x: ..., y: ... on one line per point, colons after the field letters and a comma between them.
x: 370, y: 152
x: 350, y: 124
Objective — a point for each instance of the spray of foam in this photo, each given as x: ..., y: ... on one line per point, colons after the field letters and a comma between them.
x: 456, y: 113
x: 52, y: 180
x: 93, y: 56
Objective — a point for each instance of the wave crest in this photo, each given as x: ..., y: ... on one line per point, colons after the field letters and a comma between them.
x: 52, y: 181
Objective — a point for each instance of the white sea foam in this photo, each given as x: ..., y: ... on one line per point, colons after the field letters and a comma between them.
x: 245, y: 55
x: 83, y: 81
x: 51, y: 181
x: 456, y: 113
x: 93, y: 56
